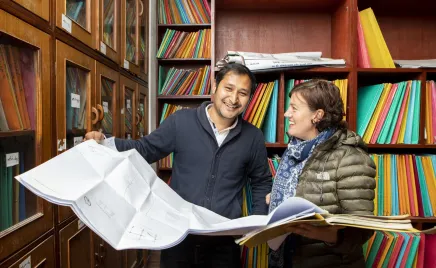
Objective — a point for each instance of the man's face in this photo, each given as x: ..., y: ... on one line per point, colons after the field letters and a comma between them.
x: 232, y: 95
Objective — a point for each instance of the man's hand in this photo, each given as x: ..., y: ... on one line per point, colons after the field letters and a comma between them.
x: 94, y: 135
x: 268, y: 198
x: 328, y: 234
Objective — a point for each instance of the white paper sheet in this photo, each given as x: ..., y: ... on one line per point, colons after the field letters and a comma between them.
x: 430, y: 63
x: 262, y: 61
x: 119, y: 196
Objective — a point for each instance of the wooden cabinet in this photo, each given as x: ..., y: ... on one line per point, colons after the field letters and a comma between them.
x: 107, y: 256
x: 39, y: 7
x: 40, y: 257
x: 131, y: 12
x: 107, y: 91
x: 55, y: 87
x: 75, y: 81
x: 24, y: 130
x: 143, y: 112
x: 143, y: 41
x: 76, y: 246
x: 128, y: 103
x: 77, y: 18
x: 107, y: 28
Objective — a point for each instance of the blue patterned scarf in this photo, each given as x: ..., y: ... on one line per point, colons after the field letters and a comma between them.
x: 291, y: 165
x: 286, y: 180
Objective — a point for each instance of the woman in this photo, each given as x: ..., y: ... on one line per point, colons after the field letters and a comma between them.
x: 326, y: 164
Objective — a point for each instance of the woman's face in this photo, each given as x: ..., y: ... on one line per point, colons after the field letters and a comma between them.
x: 300, y: 118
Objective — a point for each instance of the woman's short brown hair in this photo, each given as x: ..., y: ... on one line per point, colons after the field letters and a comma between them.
x: 323, y: 94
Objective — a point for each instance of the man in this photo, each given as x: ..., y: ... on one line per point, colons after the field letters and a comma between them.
x: 215, y: 152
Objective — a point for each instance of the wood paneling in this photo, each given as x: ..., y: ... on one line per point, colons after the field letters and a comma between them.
x: 41, y: 256
x: 39, y: 7
x: 105, y: 72
x: 66, y: 55
x: 409, y: 37
x: 293, y: 31
x: 76, y: 249
x: 84, y: 33
x: 16, y: 237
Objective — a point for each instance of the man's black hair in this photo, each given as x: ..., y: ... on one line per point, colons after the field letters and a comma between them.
x: 238, y: 69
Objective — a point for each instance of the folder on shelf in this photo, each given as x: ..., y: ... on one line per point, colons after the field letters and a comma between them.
x: 387, y: 250
x: 413, y: 250
x: 420, y: 252
x: 392, y: 116
x: 375, y: 247
x: 372, y: 124
x: 381, y: 119
x: 429, y: 256
x: 367, y: 99
x: 401, y: 115
x: 394, y: 185
x: 362, y: 50
x: 416, y: 114
x: 378, y: 51
x: 270, y: 125
x: 398, y: 243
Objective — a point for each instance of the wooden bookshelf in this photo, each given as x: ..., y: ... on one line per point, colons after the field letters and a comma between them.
x: 184, y: 61
x: 402, y: 146
x: 184, y: 97
x: 183, y: 27
x: 17, y: 133
x: 423, y: 219
x: 329, y: 26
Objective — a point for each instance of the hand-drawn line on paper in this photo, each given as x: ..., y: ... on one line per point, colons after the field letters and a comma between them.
x: 87, y: 201
x: 152, y: 201
x: 143, y: 233
x: 44, y: 185
x: 105, y: 209
x: 171, y: 216
x: 130, y: 182
x: 97, y: 150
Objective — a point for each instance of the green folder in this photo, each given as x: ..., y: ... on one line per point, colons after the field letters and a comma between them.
x: 392, y: 116
x: 416, y: 114
x: 374, y: 248
x: 289, y: 86
x: 413, y: 249
x: 391, y: 249
x: 367, y: 99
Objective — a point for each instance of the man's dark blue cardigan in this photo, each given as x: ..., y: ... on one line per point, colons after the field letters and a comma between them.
x: 203, y: 173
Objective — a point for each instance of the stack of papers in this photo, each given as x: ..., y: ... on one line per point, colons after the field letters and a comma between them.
x: 275, y: 233
x: 262, y: 61
x: 119, y: 196
x: 416, y: 63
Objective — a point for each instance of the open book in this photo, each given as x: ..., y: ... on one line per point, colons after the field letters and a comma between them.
x: 275, y: 233
x: 119, y: 196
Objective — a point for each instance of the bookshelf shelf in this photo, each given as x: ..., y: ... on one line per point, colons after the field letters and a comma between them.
x: 184, y: 61
x: 276, y: 145
x: 306, y: 70
x: 378, y: 71
x: 423, y: 219
x: 183, y: 97
x: 402, y: 146
x: 4, y: 134
x: 278, y: 4
x: 182, y: 27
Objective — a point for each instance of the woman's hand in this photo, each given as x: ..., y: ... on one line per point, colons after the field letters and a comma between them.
x: 328, y: 234
x: 94, y: 135
x: 268, y: 198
